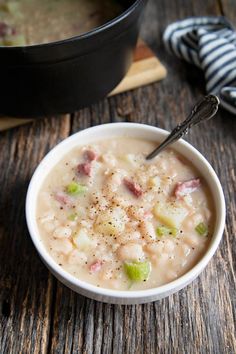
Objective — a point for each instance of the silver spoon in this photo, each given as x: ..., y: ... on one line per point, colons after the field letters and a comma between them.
x: 205, y: 109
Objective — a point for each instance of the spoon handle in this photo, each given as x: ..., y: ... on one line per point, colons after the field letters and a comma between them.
x: 205, y: 109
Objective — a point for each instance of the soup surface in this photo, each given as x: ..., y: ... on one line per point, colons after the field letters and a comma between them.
x: 26, y: 22
x: 110, y: 218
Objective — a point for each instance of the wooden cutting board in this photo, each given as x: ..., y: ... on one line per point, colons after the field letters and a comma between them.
x: 145, y: 70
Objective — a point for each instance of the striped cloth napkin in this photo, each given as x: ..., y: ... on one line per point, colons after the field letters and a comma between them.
x: 210, y: 44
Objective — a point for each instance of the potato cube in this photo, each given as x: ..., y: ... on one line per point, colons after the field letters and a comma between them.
x: 81, y: 240
x: 111, y: 222
x: 170, y: 214
x: 130, y: 159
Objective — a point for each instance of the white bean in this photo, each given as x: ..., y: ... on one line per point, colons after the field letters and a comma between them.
x: 147, y: 230
x: 61, y: 246
x: 77, y: 257
x: 191, y: 240
x: 49, y: 226
x: 129, y: 236
x: 107, y: 272
x: 171, y: 275
x: 130, y: 251
x: 207, y: 214
x: 109, y: 159
x: 184, y: 250
x: 169, y: 246
x: 62, y: 232
x: 164, y: 258
x: 154, y: 248
x: 46, y: 199
x: 48, y: 216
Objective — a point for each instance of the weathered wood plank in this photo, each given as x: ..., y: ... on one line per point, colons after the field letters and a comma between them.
x: 26, y: 286
x: 228, y: 9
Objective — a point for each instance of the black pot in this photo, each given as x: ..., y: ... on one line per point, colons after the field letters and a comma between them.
x: 61, y: 77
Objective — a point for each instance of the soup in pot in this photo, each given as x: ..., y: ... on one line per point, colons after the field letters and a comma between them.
x: 28, y: 22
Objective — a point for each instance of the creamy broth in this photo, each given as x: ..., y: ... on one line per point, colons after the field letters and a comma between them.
x: 112, y: 219
x: 26, y: 22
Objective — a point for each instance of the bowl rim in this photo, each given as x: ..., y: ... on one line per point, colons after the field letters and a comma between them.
x: 124, y: 294
x: 96, y: 30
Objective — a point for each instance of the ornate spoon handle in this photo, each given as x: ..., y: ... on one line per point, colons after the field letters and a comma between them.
x: 205, y: 109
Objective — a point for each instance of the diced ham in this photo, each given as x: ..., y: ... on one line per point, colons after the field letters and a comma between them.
x: 187, y: 187
x: 133, y: 187
x: 6, y: 30
x: 85, y: 168
x: 90, y: 155
x: 63, y: 199
x: 96, y: 266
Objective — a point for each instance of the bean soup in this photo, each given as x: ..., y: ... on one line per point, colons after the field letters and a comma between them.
x: 27, y: 22
x: 110, y: 218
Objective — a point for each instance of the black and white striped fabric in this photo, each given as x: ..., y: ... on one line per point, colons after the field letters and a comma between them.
x: 210, y: 44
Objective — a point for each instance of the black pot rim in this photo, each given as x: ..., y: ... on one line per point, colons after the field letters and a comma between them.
x: 85, y: 35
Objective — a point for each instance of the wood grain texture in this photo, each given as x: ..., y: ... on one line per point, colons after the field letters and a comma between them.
x: 228, y: 8
x: 39, y: 314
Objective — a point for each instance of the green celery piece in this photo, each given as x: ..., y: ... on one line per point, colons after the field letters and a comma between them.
x: 202, y: 229
x: 137, y: 271
x: 4, y: 7
x: 14, y: 40
x: 11, y: 7
x: 165, y: 231
x: 76, y: 189
x: 73, y: 217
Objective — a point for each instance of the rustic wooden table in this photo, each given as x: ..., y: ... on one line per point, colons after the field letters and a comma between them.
x: 39, y: 314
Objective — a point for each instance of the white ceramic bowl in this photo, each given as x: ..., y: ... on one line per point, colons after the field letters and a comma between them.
x: 88, y: 136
